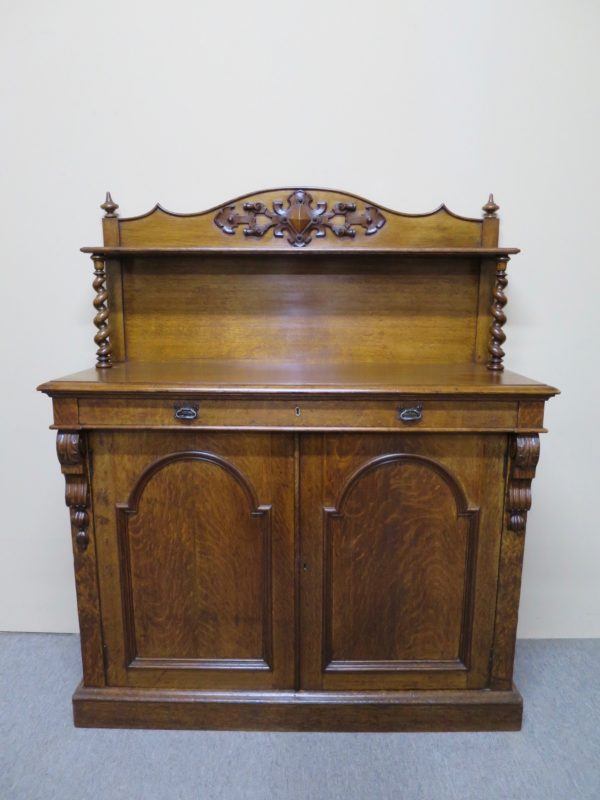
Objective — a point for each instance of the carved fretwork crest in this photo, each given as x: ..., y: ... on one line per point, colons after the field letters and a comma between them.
x: 300, y: 219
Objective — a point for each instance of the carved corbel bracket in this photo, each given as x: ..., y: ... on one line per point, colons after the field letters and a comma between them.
x: 525, y: 453
x: 71, y: 455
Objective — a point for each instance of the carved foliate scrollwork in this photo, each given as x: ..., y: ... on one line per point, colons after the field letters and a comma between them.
x: 299, y: 219
x: 102, y: 337
x: 498, y: 337
x: 76, y: 497
x: 70, y: 450
x: 525, y: 453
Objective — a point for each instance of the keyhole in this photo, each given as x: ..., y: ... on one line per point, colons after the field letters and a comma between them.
x: 297, y: 411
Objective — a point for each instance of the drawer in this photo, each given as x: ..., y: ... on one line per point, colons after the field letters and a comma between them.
x: 401, y: 414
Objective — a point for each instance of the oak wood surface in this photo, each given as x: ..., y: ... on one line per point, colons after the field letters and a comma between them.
x: 75, y: 466
x: 302, y: 414
x: 418, y: 553
x: 225, y: 249
x: 447, y: 710
x: 196, y: 552
x: 114, y: 283
x: 231, y: 376
x: 298, y: 488
x: 286, y: 311
x: 160, y: 227
x: 218, y: 545
x: 523, y: 454
x: 367, y: 310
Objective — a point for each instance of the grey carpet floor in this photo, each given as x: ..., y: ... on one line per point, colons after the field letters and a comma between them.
x: 555, y: 756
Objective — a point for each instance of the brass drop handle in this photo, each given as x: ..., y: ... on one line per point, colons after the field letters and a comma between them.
x: 412, y: 414
x: 186, y: 413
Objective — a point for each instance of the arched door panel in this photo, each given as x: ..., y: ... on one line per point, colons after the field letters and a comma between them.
x: 196, y: 543
x: 400, y: 541
x: 398, y: 580
x: 196, y: 563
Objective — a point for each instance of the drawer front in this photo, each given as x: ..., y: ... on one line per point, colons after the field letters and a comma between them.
x: 408, y: 414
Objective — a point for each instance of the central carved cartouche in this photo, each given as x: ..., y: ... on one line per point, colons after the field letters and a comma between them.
x: 299, y: 220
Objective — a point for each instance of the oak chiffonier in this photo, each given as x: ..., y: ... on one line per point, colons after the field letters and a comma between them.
x: 298, y: 474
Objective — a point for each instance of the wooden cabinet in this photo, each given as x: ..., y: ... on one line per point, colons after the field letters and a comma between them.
x: 299, y: 475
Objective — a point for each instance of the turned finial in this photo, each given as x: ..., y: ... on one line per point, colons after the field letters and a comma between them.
x: 109, y: 206
x: 490, y: 208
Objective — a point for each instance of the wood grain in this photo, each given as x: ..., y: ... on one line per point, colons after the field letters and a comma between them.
x: 301, y: 414
x: 276, y: 379
x: 350, y: 313
x: 383, y: 526
x: 439, y: 227
x: 193, y: 517
x: 398, y: 558
x: 169, y: 251
x: 298, y: 496
x: 72, y: 454
x: 188, y: 577
x: 299, y: 711
x: 524, y: 455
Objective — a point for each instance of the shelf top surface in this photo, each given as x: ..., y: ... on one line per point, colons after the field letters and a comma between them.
x: 249, y: 377
x: 479, y: 252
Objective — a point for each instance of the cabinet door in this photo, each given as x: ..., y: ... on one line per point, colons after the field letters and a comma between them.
x: 196, y: 557
x: 400, y: 546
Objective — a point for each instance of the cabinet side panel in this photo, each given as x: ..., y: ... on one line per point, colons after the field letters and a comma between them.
x: 525, y: 451
x: 76, y: 464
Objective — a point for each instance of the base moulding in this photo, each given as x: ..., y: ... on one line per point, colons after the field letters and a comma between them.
x: 444, y: 710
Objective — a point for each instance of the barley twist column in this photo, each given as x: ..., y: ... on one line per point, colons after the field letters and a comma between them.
x: 102, y: 337
x: 498, y: 337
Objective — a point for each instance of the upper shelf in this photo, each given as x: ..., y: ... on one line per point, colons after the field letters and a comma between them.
x: 301, y: 220
x: 479, y: 252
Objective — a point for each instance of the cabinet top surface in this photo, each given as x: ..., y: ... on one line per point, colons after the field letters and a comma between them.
x: 250, y: 377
